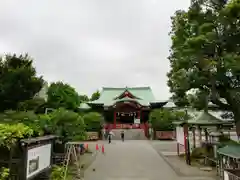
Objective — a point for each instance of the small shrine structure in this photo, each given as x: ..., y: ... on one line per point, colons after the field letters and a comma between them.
x: 195, y: 131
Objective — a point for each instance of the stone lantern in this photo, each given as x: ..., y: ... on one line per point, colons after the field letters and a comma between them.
x: 215, y: 140
x: 215, y: 136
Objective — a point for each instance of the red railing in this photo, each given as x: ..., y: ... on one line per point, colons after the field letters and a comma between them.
x: 128, y: 126
x: 125, y: 126
x: 165, y: 134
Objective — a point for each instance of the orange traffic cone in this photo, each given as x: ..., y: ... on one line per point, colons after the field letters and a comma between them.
x: 97, y: 148
x: 86, y: 146
x: 103, y: 150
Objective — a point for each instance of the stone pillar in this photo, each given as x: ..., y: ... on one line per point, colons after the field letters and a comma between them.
x: 215, y: 136
x: 206, y: 135
x: 199, y: 134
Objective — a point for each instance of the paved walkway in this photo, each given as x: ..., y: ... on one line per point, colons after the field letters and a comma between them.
x: 130, y: 160
x: 168, y: 150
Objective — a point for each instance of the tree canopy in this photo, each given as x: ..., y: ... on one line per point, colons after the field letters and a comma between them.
x: 162, y: 119
x: 93, y: 121
x: 18, y: 81
x: 36, y: 104
x: 62, y: 95
x: 95, y: 96
x: 83, y: 98
x: 67, y: 124
x: 205, y: 53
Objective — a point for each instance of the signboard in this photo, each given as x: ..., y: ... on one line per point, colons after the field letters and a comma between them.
x: 136, y: 121
x: 180, y: 135
x: 92, y: 136
x: 38, y: 159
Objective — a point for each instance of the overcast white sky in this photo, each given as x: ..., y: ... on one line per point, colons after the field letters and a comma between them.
x: 93, y: 43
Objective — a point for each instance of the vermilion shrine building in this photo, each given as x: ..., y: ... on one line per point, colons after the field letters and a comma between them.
x: 123, y: 107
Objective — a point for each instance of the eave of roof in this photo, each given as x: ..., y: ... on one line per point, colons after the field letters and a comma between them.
x: 204, y: 118
x: 84, y: 106
x: 108, y: 95
x: 232, y: 151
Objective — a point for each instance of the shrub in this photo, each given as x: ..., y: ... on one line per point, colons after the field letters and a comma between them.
x: 28, y: 118
x: 67, y: 124
x: 11, y: 133
x: 35, y: 104
x: 57, y: 173
x: 4, y: 174
x: 162, y: 119
x: 93, y: 121
x: 199, y: 152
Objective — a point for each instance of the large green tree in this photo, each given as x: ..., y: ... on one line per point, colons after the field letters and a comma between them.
x: 62, y: 95
x: 205, y: 53
x: 18, y: 81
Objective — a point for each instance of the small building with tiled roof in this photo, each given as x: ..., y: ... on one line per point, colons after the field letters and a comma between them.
x: 126, y: 105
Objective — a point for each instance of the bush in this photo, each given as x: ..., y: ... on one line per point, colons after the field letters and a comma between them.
x: 4, y: 174
x: 57, y: 173
x: 162, y: 119
x: 199, y: 152
x: 93, y: 121
x: 11, y: 133
x: 28, y: 118
x: 36, y: 104
x: 67, y: 124
x: 61, y: 122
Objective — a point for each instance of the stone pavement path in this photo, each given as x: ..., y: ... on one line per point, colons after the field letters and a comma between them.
x: 130, y: 160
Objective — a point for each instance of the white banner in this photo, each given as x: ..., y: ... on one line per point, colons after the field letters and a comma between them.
x: 136, y: 121
x: 180, y: 135
x: 38, y: 159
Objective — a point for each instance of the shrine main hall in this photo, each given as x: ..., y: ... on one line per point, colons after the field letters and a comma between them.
x: 129, y: 106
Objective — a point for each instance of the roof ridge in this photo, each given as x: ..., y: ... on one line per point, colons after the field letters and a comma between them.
x: 208, y: 114
x: 140, y: 87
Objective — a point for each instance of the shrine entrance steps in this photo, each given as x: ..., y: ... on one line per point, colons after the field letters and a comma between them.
x: 129, y: 134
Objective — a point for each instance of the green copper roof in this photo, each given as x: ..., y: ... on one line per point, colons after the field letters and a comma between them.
x: 126, y: 99
x: 109, y: 94
x: 205, y: 118
x: 232, y: 151
x: 84, y: 106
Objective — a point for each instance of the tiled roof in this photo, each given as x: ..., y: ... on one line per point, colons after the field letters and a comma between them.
x: 232, y: 151
x: 170, y: 104
x: 84, y: 106
x: 109, y: 94
x: 205, y: 118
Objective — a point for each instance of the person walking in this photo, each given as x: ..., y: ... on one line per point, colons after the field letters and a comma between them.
x: 104, y: 132
x: 110, y: 134
x: 122, y: 135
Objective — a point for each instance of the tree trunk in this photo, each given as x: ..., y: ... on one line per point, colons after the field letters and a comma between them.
x: 234, y: 101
